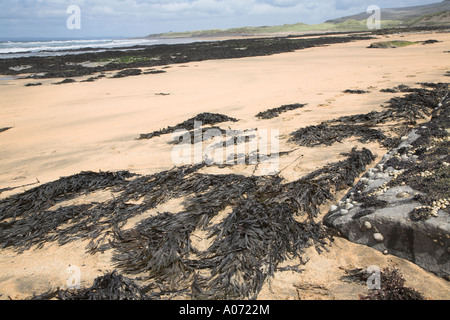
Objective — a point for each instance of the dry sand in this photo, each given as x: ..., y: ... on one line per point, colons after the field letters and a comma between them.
x: 62, y: 130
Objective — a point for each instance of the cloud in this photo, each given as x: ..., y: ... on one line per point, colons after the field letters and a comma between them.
x: 347, y: 4
x: 141, y: 17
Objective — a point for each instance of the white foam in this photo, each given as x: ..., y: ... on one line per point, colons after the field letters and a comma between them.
x: 40, y: 46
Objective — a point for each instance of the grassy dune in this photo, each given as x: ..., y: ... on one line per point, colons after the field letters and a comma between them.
x: 349, y: 25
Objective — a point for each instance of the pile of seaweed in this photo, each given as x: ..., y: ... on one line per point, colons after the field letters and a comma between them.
x: 202, y: 134
x: 128, y: 72
x: 418, y: 104
x: 111, y: 286
x: 392, y: 285
x: 351, y: 91
x: 205, y: 118
x: 325, y: 134
x: 261, y: 231
x: 26, y: 219
x: 275, y: 112
x: 65, y: 81
x: 92, y: 79
x: 393, y: 288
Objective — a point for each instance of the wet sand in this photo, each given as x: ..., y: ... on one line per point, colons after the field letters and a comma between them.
x: 63, y: 130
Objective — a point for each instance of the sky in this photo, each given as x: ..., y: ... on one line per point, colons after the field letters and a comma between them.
x: 136, y: 18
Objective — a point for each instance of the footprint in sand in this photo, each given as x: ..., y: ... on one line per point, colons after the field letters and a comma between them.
x: 18, y: 178
x: 411, y: 76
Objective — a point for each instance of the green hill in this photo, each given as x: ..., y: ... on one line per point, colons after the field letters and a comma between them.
x: 426, y: 15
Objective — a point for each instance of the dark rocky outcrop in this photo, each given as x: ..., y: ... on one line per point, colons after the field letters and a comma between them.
x: 401, y: 206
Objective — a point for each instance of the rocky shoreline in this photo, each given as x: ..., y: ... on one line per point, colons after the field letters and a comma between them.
x: 121, y: 59
x: 69, y: 66
x: 407, y: 214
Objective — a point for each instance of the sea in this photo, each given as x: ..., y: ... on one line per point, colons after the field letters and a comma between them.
x: 18, y: 49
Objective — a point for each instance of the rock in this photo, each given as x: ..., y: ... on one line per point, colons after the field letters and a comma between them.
x: 403, y: 195
x: 378, y: 237
x: 395, y: 230
x: 65, y: 81
x: 333, y: 208
x: 364, y: 180
x: 390, y: 169
x: 349, y: 206
x: 344, y: 212
x: 407, y: 239
x: 128, y: 72
x: 380, y: 176
x: 367, y: 225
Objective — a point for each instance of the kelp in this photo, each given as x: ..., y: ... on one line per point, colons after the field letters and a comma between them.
x: 351, y: 91
x: 325, y: 134
x: 275, y: 112
x: 26, y: 219
x: 418, y: 104
x: 189, y: 125
x: 260, y: 232
x: 128, y: 73
x: 111, y: 286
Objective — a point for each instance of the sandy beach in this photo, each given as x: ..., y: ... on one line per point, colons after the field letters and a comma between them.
x: 62, y: 130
